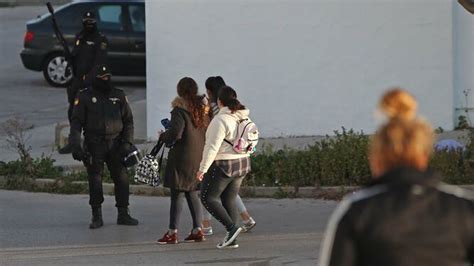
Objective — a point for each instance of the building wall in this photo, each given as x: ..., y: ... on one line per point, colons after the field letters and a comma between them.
x: 463, y: 38
x: 304, y: 67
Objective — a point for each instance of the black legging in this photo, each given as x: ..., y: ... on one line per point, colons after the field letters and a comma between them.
x: 177, y: 205
x: 218, y: 194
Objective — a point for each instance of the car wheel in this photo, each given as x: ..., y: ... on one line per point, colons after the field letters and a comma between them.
x: 55, y: 72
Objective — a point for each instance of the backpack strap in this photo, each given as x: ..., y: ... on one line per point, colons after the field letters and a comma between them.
x: 230, y: 143
x: 238, y: 123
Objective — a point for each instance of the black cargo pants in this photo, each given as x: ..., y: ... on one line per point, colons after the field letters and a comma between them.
x: 106, y: 151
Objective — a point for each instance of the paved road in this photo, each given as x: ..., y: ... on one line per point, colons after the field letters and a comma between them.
x: 46, y: 229
x: 25, y: 93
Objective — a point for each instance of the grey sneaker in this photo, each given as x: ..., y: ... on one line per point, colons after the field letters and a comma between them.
x: 249, y: 225
x: 207, y: 231
x: 230, y: 237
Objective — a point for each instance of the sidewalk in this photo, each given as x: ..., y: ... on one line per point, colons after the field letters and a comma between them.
x: 48, y: 229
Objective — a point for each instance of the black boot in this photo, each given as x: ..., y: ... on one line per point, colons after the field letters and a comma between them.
x: 96, y: 218
x: 124, y: 217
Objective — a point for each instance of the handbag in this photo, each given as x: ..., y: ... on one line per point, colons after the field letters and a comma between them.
x: 148, y: 169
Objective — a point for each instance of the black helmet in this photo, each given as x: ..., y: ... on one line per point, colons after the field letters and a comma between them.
x: 89, y: 17
x: 88, y: 22
x: 102, y: 71
x: 132, y: 157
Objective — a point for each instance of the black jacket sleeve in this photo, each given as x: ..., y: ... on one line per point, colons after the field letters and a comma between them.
x: 176, y: 128
x: 339, y: 246
x: 74, y: 53
x: 127, y: 120
x: 78, y: 120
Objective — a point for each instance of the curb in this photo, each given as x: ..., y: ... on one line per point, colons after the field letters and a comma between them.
x: 248, y: 192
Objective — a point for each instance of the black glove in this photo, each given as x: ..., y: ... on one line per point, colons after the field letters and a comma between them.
x: 124, y: 148
x: 79, y: 155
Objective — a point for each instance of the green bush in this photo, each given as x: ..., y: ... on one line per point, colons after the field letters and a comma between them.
x: 42, y: 167
x: 335, y: 160
x: 341, y: 160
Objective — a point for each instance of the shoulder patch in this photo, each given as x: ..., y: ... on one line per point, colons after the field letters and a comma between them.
x: 103, y: 45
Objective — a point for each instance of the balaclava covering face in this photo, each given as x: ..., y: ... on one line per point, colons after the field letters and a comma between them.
x: 102, y: 85
x: 89, y: 26
x: 89, y: 23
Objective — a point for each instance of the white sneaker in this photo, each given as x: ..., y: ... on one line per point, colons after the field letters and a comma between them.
x: 207, y: 231
x: 249, y: 225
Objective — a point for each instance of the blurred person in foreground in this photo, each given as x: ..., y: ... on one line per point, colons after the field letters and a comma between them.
x: 406, y: 216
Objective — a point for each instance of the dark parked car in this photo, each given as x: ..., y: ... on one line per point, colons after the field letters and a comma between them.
x: 121, y: 21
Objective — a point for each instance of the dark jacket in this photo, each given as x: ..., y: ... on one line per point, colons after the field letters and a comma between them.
x: 406, y: 217
x: 101, y: 115
x: 186, y: 153
x: 90, y: 49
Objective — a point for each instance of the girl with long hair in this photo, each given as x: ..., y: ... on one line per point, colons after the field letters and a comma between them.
x: 186, y: 134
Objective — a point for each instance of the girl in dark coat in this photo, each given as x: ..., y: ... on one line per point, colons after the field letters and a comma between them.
x: 186, y: 134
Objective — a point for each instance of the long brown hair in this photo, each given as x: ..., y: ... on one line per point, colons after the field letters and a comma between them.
x: 405, y: 140
x: 228, y: 98
x: 187, y: 89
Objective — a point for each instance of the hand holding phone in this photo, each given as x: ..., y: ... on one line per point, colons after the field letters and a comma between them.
x: 166, y: 123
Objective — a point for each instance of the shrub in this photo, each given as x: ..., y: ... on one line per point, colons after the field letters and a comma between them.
x: 454, y: 166
x: 342, y: 160
x: 42, y: 167
x: 335, y: 160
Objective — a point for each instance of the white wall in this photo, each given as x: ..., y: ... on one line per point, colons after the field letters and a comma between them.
x: 463, y: 61
x: 304, y: 67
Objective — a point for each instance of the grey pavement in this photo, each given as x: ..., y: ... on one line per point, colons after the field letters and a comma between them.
x: 46, y: 229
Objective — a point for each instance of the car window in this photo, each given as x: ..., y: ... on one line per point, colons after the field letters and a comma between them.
x: 137, y: 17
x: 71, y: 16
x: 109, y: 17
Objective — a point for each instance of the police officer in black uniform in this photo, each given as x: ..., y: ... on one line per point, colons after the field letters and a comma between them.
x: 90, y: 49
x: 103, y: 113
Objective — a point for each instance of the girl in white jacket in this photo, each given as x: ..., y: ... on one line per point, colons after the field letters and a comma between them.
x: 222, y: 169
x: 213, y: 85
